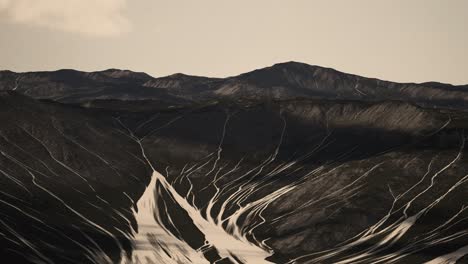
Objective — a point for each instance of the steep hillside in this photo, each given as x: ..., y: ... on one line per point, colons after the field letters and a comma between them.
x: 67, y: 177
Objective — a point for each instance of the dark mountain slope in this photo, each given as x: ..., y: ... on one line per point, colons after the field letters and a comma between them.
x: 282, y: 81
x: 347, y: 162
x: 74, y: 86
x: 298, y: 80
x: 67, y: 177
x: 310, y: 164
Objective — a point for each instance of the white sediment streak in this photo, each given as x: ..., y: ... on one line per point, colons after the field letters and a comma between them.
x: 450, y: 258
x: 153, y: 243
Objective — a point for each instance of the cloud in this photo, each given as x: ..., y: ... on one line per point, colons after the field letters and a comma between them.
x: 89, y: 17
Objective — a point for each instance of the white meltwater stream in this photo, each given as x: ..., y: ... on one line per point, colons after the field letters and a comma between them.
x: 153, y: 243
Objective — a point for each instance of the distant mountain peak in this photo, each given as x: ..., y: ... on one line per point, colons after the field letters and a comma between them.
x: 182, y: 76
x: 178, y: 75
x: 292, y: 68
x: 178, y: 80
x: 293, y: 64
x: 118, y: 73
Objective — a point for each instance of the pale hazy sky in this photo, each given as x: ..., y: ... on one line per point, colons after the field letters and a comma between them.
x: 399, y: 40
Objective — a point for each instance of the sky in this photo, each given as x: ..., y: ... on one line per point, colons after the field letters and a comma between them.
x: 398, y: 40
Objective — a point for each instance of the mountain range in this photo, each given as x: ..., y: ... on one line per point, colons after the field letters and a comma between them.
x: 290, y: 80
x: 288, y: 164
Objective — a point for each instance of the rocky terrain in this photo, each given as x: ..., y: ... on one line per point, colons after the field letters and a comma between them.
x: 291, y: 80
x: 288, y: 164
